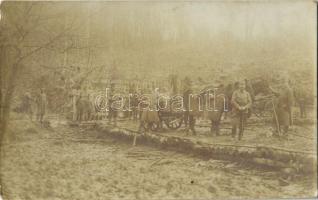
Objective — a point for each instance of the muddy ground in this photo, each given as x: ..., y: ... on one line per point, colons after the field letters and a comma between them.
x: 72, y: 163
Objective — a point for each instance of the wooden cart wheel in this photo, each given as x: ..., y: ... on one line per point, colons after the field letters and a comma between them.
x: 174, y: 122
x: 152, y: 126
x: 261, y: 109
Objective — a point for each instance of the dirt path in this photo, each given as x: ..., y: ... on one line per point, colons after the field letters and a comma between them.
x: 65, y: 163
x: 300, y: 138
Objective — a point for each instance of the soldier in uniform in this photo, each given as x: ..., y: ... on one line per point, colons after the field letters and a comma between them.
x: 149, y: 114
x: 191, y: 104
x: 132, y: 103
x: 217, y: 101
x: 283, y: 108
x: 301, y: 99
x: 250, y: 90
x: 241, y: 101
x: 112, y: 112
x: 174, y: 83
x: 41, y: 103
x: 75, y: 85
x: 186, y: 92
x: 27, y: 104
x: 229, y: 89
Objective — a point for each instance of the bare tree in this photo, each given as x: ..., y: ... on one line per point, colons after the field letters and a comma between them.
x: 29, y: 30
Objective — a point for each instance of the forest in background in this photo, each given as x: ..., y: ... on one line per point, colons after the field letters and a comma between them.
x: 45, y: 43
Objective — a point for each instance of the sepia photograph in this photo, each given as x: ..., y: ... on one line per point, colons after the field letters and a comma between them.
x: 149, y: 100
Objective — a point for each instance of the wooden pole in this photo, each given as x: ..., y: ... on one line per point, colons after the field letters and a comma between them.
x: 135, y: 138
x: 276, y: 119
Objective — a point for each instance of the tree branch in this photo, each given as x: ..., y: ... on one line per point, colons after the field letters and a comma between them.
x: 45, y: 45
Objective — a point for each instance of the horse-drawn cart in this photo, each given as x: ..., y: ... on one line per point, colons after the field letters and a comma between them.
x: 172, y: 118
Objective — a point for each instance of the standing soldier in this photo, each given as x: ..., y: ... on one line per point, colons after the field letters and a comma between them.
x: 174, y: 83
x: 75, y: 85
x: 191, y: 104
x: 134, y: 105
x: 112, y: 112
x: 229, y: 89
x: 186, y: 92
x: 241, y: 101
x: 218, y: 102
x: 41, y: 103
x: 149, y: 116
x: 27, y: 104
x: 283, y: 108
x: 301, y: 97
x: 131, y: 102
x: 249, y: 88
x: 76, y: 93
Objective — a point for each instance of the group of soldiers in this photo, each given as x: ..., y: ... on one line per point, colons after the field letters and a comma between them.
x: 240, y: 99
x: 240, y: 96
x: 282, y: 103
